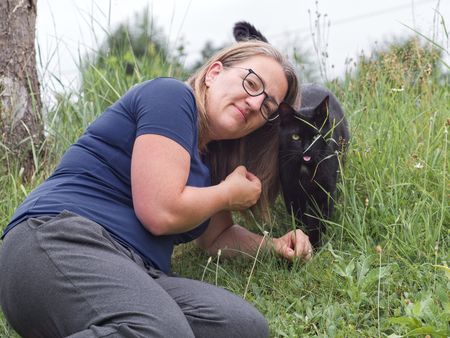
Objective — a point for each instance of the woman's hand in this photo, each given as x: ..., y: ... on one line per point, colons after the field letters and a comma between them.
x: 294, y: 244
x: 243, y: 189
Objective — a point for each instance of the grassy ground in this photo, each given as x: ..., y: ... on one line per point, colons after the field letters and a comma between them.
x: 382, y: 271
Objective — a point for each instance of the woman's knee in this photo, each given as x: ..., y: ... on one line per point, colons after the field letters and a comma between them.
x: 227, y: 315
x: 244, y: 320
x: 125, y: 329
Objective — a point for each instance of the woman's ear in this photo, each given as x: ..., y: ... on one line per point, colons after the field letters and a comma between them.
x: 213, y: 70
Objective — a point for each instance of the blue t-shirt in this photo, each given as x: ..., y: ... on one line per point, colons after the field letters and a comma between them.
x: 93, y: 177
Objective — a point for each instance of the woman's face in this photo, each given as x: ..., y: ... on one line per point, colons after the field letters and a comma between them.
x: 232, y: 113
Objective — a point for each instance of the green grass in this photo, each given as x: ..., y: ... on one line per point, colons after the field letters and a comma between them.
x: 378, y: 274
x: 381, y: 272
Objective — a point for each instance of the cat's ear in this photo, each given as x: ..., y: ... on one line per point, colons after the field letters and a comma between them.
x: 321, y: 115
x: 244, y: 31
x: 286, y: 112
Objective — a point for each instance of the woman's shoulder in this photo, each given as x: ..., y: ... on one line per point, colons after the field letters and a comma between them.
x: 165, y: 84
x: 160, y: 90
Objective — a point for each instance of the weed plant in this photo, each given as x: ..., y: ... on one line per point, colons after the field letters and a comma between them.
x: 383, y: 271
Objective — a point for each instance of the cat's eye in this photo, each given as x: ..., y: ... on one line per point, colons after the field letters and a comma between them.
x: 295, y: 137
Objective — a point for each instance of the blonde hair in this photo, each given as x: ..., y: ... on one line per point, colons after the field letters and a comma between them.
x: 257, y: 151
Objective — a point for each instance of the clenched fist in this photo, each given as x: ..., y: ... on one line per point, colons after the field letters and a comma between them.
x: 242, y: 188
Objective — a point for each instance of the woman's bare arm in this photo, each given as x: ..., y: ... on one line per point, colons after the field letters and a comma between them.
x: 234, y: 239
x: 162, y: 201
x: 231, y: 238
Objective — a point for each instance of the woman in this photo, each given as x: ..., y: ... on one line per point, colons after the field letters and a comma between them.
x: 87, y: 254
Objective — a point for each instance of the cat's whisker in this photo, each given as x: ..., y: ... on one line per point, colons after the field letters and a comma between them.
x: 289, y: 160
x: 288, y: 156
x: 289, y: 152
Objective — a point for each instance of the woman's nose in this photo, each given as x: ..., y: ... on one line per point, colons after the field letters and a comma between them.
x: 255, y: 102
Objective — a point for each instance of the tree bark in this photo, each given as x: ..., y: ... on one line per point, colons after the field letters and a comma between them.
x: 21, y: 124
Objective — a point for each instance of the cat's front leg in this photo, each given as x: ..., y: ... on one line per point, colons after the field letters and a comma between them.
x: 314, y: 227
x: 320, y: 208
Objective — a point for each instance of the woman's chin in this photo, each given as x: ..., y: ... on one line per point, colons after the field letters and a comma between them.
x: 230, y: 127
x: 233, y: 127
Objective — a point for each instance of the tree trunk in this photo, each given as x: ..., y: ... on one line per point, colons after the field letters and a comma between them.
x: 21, y: 124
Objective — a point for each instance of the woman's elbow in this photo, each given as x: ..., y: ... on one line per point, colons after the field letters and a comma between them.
x: 157, y: 223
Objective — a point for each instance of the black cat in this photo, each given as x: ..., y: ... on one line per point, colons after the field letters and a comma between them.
x: 311, y: 140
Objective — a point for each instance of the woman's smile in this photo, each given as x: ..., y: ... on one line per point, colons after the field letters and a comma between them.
x: 242, y: 112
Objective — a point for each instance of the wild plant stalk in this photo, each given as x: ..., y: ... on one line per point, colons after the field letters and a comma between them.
x: 379, y: 252
x: 441, y: 241
x: 319, y: 27
x: 206, y: 267
x: 219, y: 252
x: 254, y: 262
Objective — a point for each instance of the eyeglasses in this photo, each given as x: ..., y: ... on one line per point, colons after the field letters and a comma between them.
x: 254, y: 86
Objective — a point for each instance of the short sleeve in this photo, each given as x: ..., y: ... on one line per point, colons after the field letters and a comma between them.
x: 166, y: 107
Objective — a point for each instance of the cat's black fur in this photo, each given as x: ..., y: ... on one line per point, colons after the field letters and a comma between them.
x: 311, y: 140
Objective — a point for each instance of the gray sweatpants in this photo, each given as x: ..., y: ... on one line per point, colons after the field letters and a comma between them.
x: 66, y: 276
